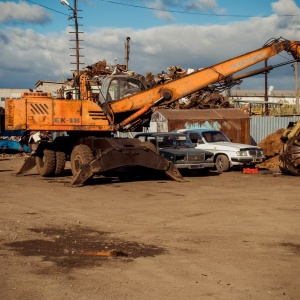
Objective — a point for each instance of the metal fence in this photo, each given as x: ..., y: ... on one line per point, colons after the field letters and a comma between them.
x: 261, y: 127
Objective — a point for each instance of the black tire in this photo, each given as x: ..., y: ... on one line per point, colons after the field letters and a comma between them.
x: 222, y: 163
x: 150, y: 146
x: 60, y: 162
x: 45, y: 163
x: 81, y: 154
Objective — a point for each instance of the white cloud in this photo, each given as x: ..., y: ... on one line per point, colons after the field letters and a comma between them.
x: 30, y: 56
x: 201, y: 5
x: 163, y: 8
x: 160, y: 10
x: 286, y: 8
x: 12, y: 12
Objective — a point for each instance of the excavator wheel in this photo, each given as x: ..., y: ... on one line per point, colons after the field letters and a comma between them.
x: 45, y: 163
x: 150, y: 146
x: 60, y: 162
x: 81, y: 154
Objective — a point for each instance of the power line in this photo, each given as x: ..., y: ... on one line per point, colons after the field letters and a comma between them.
x: 168, y: 10
x: 47, y: 7
x: 191, y: 13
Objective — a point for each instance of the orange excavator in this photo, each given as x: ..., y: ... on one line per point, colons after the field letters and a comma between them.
x: 123, y: 103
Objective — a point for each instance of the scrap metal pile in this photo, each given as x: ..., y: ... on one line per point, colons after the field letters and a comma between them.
x: 272, y: 146
x: 210, y: 97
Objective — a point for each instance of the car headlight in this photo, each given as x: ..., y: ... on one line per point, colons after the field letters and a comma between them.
x: 241, y: 153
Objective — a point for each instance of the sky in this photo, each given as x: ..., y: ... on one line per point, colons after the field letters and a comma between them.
x: 35, y: 36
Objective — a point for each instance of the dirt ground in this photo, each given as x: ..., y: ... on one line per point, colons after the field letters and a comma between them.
x: 218, y: 236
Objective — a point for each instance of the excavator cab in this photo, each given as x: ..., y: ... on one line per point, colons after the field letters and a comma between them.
x: 116, y: 87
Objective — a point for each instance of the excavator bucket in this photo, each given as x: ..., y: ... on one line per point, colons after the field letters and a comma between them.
x: 118, y: 158
x: 28, y: 165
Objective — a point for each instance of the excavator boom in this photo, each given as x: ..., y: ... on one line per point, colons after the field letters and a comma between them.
x: 186, y: 85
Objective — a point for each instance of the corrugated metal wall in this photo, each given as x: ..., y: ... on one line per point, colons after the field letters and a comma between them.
x: 261, y: 127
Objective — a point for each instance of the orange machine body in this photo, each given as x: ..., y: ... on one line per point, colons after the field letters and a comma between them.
x: 41, y: 112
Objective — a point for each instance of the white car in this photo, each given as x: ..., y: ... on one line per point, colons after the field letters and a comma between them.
x: 226, y: 153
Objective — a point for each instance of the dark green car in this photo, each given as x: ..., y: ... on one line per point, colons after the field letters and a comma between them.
x: 178, y: 148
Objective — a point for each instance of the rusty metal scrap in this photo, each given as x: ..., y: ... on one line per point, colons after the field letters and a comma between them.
x: 208, y: 98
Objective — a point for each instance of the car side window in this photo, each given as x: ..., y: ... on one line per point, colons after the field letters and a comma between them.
x: 152, y: 140
x: 195, y: 138
x: 207, y: 136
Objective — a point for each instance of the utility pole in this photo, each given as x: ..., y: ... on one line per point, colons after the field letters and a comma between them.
x: 75, y: 17
x: 266, y: 90
x: 127, y: 50
x: 296, y: 87
x: 77, y: 41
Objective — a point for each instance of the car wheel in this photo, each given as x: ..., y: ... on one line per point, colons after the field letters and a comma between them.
x: 222, y: 163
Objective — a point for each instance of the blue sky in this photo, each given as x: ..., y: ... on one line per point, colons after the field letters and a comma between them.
x: 34, y: 36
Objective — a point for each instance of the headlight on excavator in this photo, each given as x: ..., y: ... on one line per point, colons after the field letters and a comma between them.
x: 241, y: 153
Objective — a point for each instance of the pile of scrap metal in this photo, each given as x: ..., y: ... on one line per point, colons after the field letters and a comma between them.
x: 272, y: 146
x: 208, y: 97
x: 91, y: 78
x: 92, y: 75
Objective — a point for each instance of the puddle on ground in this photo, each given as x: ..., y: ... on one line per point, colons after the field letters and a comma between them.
x: 79, y: 247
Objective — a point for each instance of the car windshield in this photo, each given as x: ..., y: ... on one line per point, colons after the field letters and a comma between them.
x: 215, y: 136
x: 174, y: 141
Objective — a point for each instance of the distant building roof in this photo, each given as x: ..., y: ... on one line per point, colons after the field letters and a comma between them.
x: 41, y: 82
x: 261, y: 93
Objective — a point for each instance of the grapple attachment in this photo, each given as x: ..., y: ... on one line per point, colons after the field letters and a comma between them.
x: 290, y: 155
